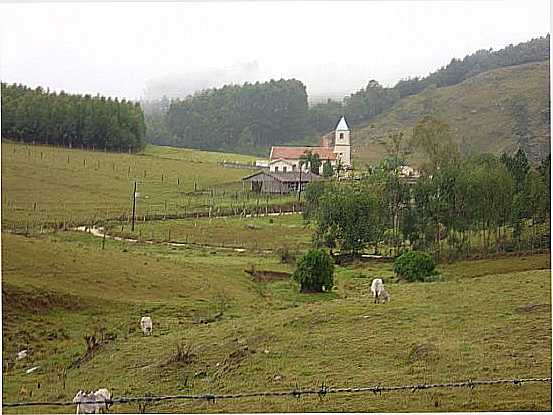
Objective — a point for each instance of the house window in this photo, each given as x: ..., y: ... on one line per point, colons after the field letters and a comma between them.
x: 341, y: 136
x: 276, y: 168
x: 294, y: 167
x: 284, y: 169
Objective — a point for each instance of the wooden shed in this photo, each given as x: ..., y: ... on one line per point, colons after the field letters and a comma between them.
x: 279, y: 182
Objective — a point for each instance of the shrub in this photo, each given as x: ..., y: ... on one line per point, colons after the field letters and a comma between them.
x: 415, y: 266
x: 328, y: 170
x: 285, y: 255
x: 315, y: 271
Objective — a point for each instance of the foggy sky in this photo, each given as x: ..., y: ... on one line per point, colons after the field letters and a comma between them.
x: 126, y: 49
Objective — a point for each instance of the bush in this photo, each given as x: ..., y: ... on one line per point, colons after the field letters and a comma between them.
x: 285, y: 255
x: 328, y: 170
x: 315, y: 271
x: 415, y: 266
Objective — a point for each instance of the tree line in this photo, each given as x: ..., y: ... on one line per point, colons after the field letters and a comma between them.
x: 72, y: 120
x: 374, y: 98
x: 459, y: 206
x: 251, y: 117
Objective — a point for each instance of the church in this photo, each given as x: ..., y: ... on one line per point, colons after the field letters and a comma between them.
x: 335, y: 148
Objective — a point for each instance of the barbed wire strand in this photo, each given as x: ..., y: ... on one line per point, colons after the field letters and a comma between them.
x: 297, y: 392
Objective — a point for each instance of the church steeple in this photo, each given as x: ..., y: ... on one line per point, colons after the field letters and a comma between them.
x: 342, y: 125
x: 342, y: 142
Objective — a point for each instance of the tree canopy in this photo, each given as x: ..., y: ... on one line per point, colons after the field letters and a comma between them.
x: 36, y: 115
x: 238, y: 117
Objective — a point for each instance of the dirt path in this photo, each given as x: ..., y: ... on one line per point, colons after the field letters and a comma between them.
x: 99, y: 232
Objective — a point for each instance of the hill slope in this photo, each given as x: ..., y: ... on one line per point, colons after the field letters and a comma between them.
x: 486, y: 112
x: 58, y: 288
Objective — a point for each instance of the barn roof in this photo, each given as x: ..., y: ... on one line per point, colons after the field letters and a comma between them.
x: 284, y: 177
x: 295, y: 153
x: 342, y: 125
x: 281, y: 160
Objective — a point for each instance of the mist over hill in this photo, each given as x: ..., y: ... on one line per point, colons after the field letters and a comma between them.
x: 182, y: 85
x: 497, y: 111
x: 250, y: 118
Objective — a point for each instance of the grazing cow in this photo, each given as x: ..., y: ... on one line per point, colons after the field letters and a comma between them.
x: 146, y: 324
x: 93, y: 402
x: 379, y: 292
x: 376, y: 286
x: 384, y: 296
x: 105, y: 396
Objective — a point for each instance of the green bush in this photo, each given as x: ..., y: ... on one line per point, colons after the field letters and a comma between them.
x: 285, y: 255
x: 315, y: 271
x: 415, y: 266
x: 328, y: 170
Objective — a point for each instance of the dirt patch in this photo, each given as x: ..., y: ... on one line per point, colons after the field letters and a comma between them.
x: 19, y: 300
x: 268, y: 276
x: 233, y: 360
x: 425, y: 352
x: 348, y: 259
x: 93, y: 346
x: 528, y: 308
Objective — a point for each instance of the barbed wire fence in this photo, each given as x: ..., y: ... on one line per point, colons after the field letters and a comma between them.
x: 297, y: 392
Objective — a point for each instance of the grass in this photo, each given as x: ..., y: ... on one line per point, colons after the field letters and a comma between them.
x: 478, y: 111
x: 483, y: 319
x: 260, y: 233
x: 475, y: 323
x: 42, y: 185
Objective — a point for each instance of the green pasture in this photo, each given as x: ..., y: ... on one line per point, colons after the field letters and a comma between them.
x: 484, y: 319
x: 258, y: 232
x: 45, y: 185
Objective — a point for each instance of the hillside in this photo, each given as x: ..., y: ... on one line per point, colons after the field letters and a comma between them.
x: 61, y: 287
x: 270, y: 336
x: 485, y: 112
x: 45, y: 185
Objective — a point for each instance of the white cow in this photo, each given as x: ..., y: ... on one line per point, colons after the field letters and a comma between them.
x: 384, y: 295
x: 376, y: 286
x: 146, y: 324
x: 378, y: 291
x: 92, y: 402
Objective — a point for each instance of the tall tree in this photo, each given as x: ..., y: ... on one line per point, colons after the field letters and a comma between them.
x: 434, y: 138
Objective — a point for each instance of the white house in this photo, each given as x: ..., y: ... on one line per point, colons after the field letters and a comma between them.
x: 338, y: 150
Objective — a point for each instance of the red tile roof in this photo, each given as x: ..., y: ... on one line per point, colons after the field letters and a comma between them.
x: 294, y: 153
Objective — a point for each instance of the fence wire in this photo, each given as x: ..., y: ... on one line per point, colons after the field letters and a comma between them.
x: 297, y: 392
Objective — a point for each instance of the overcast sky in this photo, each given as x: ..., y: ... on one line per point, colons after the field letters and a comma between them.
x: 333, y: 47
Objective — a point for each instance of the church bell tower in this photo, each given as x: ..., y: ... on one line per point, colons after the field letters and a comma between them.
x: 342, y: 145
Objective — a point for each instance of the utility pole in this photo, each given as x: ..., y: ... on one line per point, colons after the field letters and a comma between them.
x: 299, y: 183
x: 133, y: 207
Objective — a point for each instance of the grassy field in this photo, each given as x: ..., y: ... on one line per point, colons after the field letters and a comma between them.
x: 263, y: 232
x: 478, y: 111
x: 483, y: 319
x: 42, y: 185
x: 476, y: 323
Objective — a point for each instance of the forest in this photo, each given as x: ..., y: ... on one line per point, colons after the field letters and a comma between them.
x: 445, y: 211
x: 249, y: 117
x: 71, y: 120
x: 240, y: 117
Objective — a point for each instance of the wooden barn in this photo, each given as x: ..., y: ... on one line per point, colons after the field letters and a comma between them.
x: 279, y: 182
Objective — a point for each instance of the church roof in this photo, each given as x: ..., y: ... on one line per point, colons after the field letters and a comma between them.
x: 294, y: 153
x: 342, y: 125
